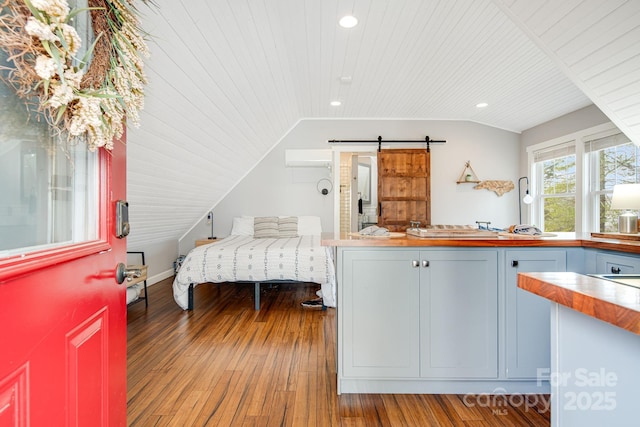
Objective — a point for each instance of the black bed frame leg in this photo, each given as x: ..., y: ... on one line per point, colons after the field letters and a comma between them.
x: 190, y: 302
x: 257, y: 295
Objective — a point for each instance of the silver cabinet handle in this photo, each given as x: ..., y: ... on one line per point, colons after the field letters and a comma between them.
x: 425, y: 263
x: 415, y: 263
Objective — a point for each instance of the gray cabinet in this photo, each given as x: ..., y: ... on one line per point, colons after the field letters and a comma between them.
x: 450, y: 319
x: 379, y: 311
x: 610, y: 263
x: 459, y: 314
x: 527, y: 315
x: 418, y: 314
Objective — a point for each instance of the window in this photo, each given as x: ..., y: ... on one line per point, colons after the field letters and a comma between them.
x: 611, y: 160
x: 573, y: 179
x: 555, y: 175
x: 49, y: 190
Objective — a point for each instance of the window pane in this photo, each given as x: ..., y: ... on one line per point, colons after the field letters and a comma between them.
x: 618, y: 165
x: 608, y: 216
x: 614, y: 160
x: 559, y: 214
x: 48, y: 195
x: 559, y: 175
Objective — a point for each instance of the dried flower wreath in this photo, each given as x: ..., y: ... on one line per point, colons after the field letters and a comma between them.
x: 89, y: 96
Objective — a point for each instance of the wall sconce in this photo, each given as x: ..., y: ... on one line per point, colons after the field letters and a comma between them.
x: 527, y: 199
x: 324, y: 186
x: 626, y: 196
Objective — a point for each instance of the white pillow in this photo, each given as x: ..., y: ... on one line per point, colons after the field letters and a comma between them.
x: 309, y: 225
x: 242, y: 226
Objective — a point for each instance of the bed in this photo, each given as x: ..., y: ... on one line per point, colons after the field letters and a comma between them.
x: 261, y: 250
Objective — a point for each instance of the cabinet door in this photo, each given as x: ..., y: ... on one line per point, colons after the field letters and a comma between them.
x: 528, y: 315
x: 459, y: 314
x: 607, y: 263
x: 379, y: 308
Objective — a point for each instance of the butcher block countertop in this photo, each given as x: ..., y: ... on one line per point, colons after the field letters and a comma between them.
x: 599, y: 298
x: 560, y: 240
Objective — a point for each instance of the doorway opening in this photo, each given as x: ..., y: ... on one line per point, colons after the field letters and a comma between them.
x: 358, y: 190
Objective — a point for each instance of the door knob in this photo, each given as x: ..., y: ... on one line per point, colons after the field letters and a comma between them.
x: 122, y: 273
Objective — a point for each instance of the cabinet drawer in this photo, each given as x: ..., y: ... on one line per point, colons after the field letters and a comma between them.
x: 607, y: 263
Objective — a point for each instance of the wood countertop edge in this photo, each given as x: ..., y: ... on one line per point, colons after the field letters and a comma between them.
x: 602, y: 299
x: 581, y: 240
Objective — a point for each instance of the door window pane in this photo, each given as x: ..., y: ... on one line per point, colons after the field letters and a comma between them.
x: 48, y: 191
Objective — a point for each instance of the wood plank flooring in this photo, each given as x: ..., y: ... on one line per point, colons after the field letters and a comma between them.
x: 225, y: 364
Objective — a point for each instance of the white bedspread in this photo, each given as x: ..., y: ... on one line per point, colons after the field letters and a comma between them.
x: 243, y: 258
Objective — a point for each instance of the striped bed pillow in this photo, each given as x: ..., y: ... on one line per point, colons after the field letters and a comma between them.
x: 272, y: 227
x: 288, y: 226
x: 265, y: 227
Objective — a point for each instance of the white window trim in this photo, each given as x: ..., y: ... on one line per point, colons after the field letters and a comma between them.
x: 584, y: 212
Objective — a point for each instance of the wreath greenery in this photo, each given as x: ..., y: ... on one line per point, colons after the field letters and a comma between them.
x: 88, y: 96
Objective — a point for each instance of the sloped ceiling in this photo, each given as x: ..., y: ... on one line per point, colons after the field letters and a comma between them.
x: 596, y: 44
x: 228, y: 79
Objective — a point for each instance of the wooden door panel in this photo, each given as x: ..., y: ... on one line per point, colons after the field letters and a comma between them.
x: 399, y: 213
x: 403, y: 188
x: 411, y: 163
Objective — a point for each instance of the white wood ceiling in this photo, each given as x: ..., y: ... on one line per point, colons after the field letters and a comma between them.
x: 229, y: 78
x: 596, y: 43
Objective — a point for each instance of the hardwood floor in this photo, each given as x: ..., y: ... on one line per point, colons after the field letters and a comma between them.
x: 225, y: 364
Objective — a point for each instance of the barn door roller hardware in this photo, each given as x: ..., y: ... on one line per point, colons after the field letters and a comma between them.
x: 379, y: 141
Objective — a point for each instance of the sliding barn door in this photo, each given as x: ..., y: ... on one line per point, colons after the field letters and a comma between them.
x: 403, y: 188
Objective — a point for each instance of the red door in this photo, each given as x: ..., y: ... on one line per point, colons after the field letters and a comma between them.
x: 63, y: 321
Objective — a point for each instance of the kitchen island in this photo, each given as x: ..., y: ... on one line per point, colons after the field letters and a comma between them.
x: 595, y: 348
x: 425, y: 315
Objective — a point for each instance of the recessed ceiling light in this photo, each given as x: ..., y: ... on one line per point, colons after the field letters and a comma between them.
x: 482, y: 105
x: 348, y: 21
x: 336, y: 103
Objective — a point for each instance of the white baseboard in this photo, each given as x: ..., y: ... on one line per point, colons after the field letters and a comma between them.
x: 160, y: 277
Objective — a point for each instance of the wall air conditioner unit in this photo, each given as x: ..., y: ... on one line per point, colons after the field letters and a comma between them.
x: 308, y: 158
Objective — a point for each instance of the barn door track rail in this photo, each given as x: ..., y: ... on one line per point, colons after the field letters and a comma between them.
x: 379, y: 141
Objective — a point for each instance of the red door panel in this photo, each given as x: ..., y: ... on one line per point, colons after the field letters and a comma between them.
x: 14, y: 398
x: 63, y: 333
